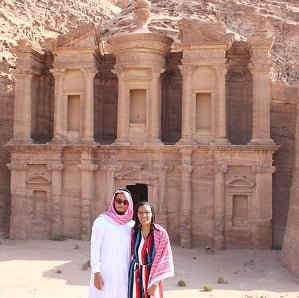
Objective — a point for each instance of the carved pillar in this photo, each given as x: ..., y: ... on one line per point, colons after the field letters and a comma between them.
x: 22, y: 107
x: 59, y: 106
x: 87, y: 193
x: 88, y: 106
x: 123, y: 108
x: 187, y: 106
x: 162, y: 208
x: 110, y: 170
x: 154, y: 119
x: 219, y: 207
x: 220, y: 106
x: 263, y: 220
x: 57, y: 206
x: 18, y: 216
x: 186, y: 205
x: 260, y: 70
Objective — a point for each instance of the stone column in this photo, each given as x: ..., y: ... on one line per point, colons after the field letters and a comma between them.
x: 263, y: 220
x: 290, y: 247
x: 219, y: 207
x: 18, y: 217
x: 87, y: 193
x: 110, y: 184
x: 123, y: 108
x: 57, y: 206
x: 154, y: 117
x: 22, y: 107
x: 187, y: 106
x: 219, y: 119
x: 186, y: 205
x: 59, y: 107
x: 88, y: 106
x: 162, y: 208
x: 259, y: 67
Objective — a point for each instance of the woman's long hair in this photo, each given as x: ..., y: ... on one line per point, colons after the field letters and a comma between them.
x: 137, y: 222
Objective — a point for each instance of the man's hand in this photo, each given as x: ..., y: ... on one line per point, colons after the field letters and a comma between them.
x: 98, y: 281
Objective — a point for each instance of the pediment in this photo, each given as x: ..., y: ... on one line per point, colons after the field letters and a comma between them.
x: 82, y: 37
x: 203, y: 31
x: 38, y: 178
x: 240, y: 181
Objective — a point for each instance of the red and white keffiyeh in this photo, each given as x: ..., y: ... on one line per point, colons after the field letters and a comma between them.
x: 127, y: 216
x: 162, y: 266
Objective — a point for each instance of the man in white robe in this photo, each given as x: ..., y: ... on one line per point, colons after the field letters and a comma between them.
x: 111, y: 248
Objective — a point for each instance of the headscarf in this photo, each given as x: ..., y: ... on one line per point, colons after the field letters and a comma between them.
x: 127, y: 216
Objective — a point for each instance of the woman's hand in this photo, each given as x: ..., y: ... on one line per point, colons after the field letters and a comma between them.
x: 98, y: 281
x: 151, y: 291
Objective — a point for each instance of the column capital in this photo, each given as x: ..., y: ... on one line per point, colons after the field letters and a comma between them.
x: 221, y: 169
x: 21, y: 166
x: 186, y: 69
x: 185, y: 168
x: 221, y: 69
x: 264, y: 169
x: 156, y: 71
x: 259, y: 67
x: 111, y: 168
x: 88, y: 167
x: 163, y: 168
x: 58, y: 72
x: 55, y: 167
x: 89, y: 72
x: 119, y: 70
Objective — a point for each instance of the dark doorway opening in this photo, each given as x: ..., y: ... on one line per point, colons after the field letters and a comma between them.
x: 139, y: 192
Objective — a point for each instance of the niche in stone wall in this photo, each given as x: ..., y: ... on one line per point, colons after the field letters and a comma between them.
x: 203, y: 86
x: 73, y: 113
x: 73, y: 89
x: 38, y: 203
x: 240, y: 211
x: 137, y: 118
x: 39, y: 214
x: 203, y: 113
x: 137, y: 106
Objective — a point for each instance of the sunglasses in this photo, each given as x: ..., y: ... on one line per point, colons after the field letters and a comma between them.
x: 120, y: 201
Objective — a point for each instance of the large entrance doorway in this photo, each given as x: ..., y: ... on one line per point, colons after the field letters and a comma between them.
x: 139, y: 192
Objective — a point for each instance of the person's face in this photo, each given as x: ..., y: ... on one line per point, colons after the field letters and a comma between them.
x: 144, y: 215
x: 121, y: 203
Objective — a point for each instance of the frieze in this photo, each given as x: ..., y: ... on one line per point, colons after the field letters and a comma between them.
x: 204, y: 55
x: 140, y: 58
x: 88, y: 167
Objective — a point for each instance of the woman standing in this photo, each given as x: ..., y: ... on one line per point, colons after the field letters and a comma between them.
x: 151, y: 255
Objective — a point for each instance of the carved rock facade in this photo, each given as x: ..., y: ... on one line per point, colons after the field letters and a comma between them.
x: 91, y: 117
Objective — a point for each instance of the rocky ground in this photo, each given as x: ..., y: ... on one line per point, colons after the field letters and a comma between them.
x: 38, y: 20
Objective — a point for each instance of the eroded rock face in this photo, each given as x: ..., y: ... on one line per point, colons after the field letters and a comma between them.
x: 39, y: 20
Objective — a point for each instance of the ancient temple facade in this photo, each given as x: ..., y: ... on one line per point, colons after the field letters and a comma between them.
x: 187, y: 130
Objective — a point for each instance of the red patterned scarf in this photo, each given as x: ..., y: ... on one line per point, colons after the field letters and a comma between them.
x: 121, y: 219
x: 162, y: 266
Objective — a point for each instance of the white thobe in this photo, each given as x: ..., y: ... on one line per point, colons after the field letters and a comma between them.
x: 110, y: 255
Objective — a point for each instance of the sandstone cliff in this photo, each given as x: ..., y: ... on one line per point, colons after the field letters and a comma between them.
x: 39, y: 20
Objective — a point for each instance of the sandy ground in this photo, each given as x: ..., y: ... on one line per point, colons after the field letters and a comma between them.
x: 42, y: 268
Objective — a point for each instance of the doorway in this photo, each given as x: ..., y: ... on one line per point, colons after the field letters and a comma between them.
x: 139, y: 192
